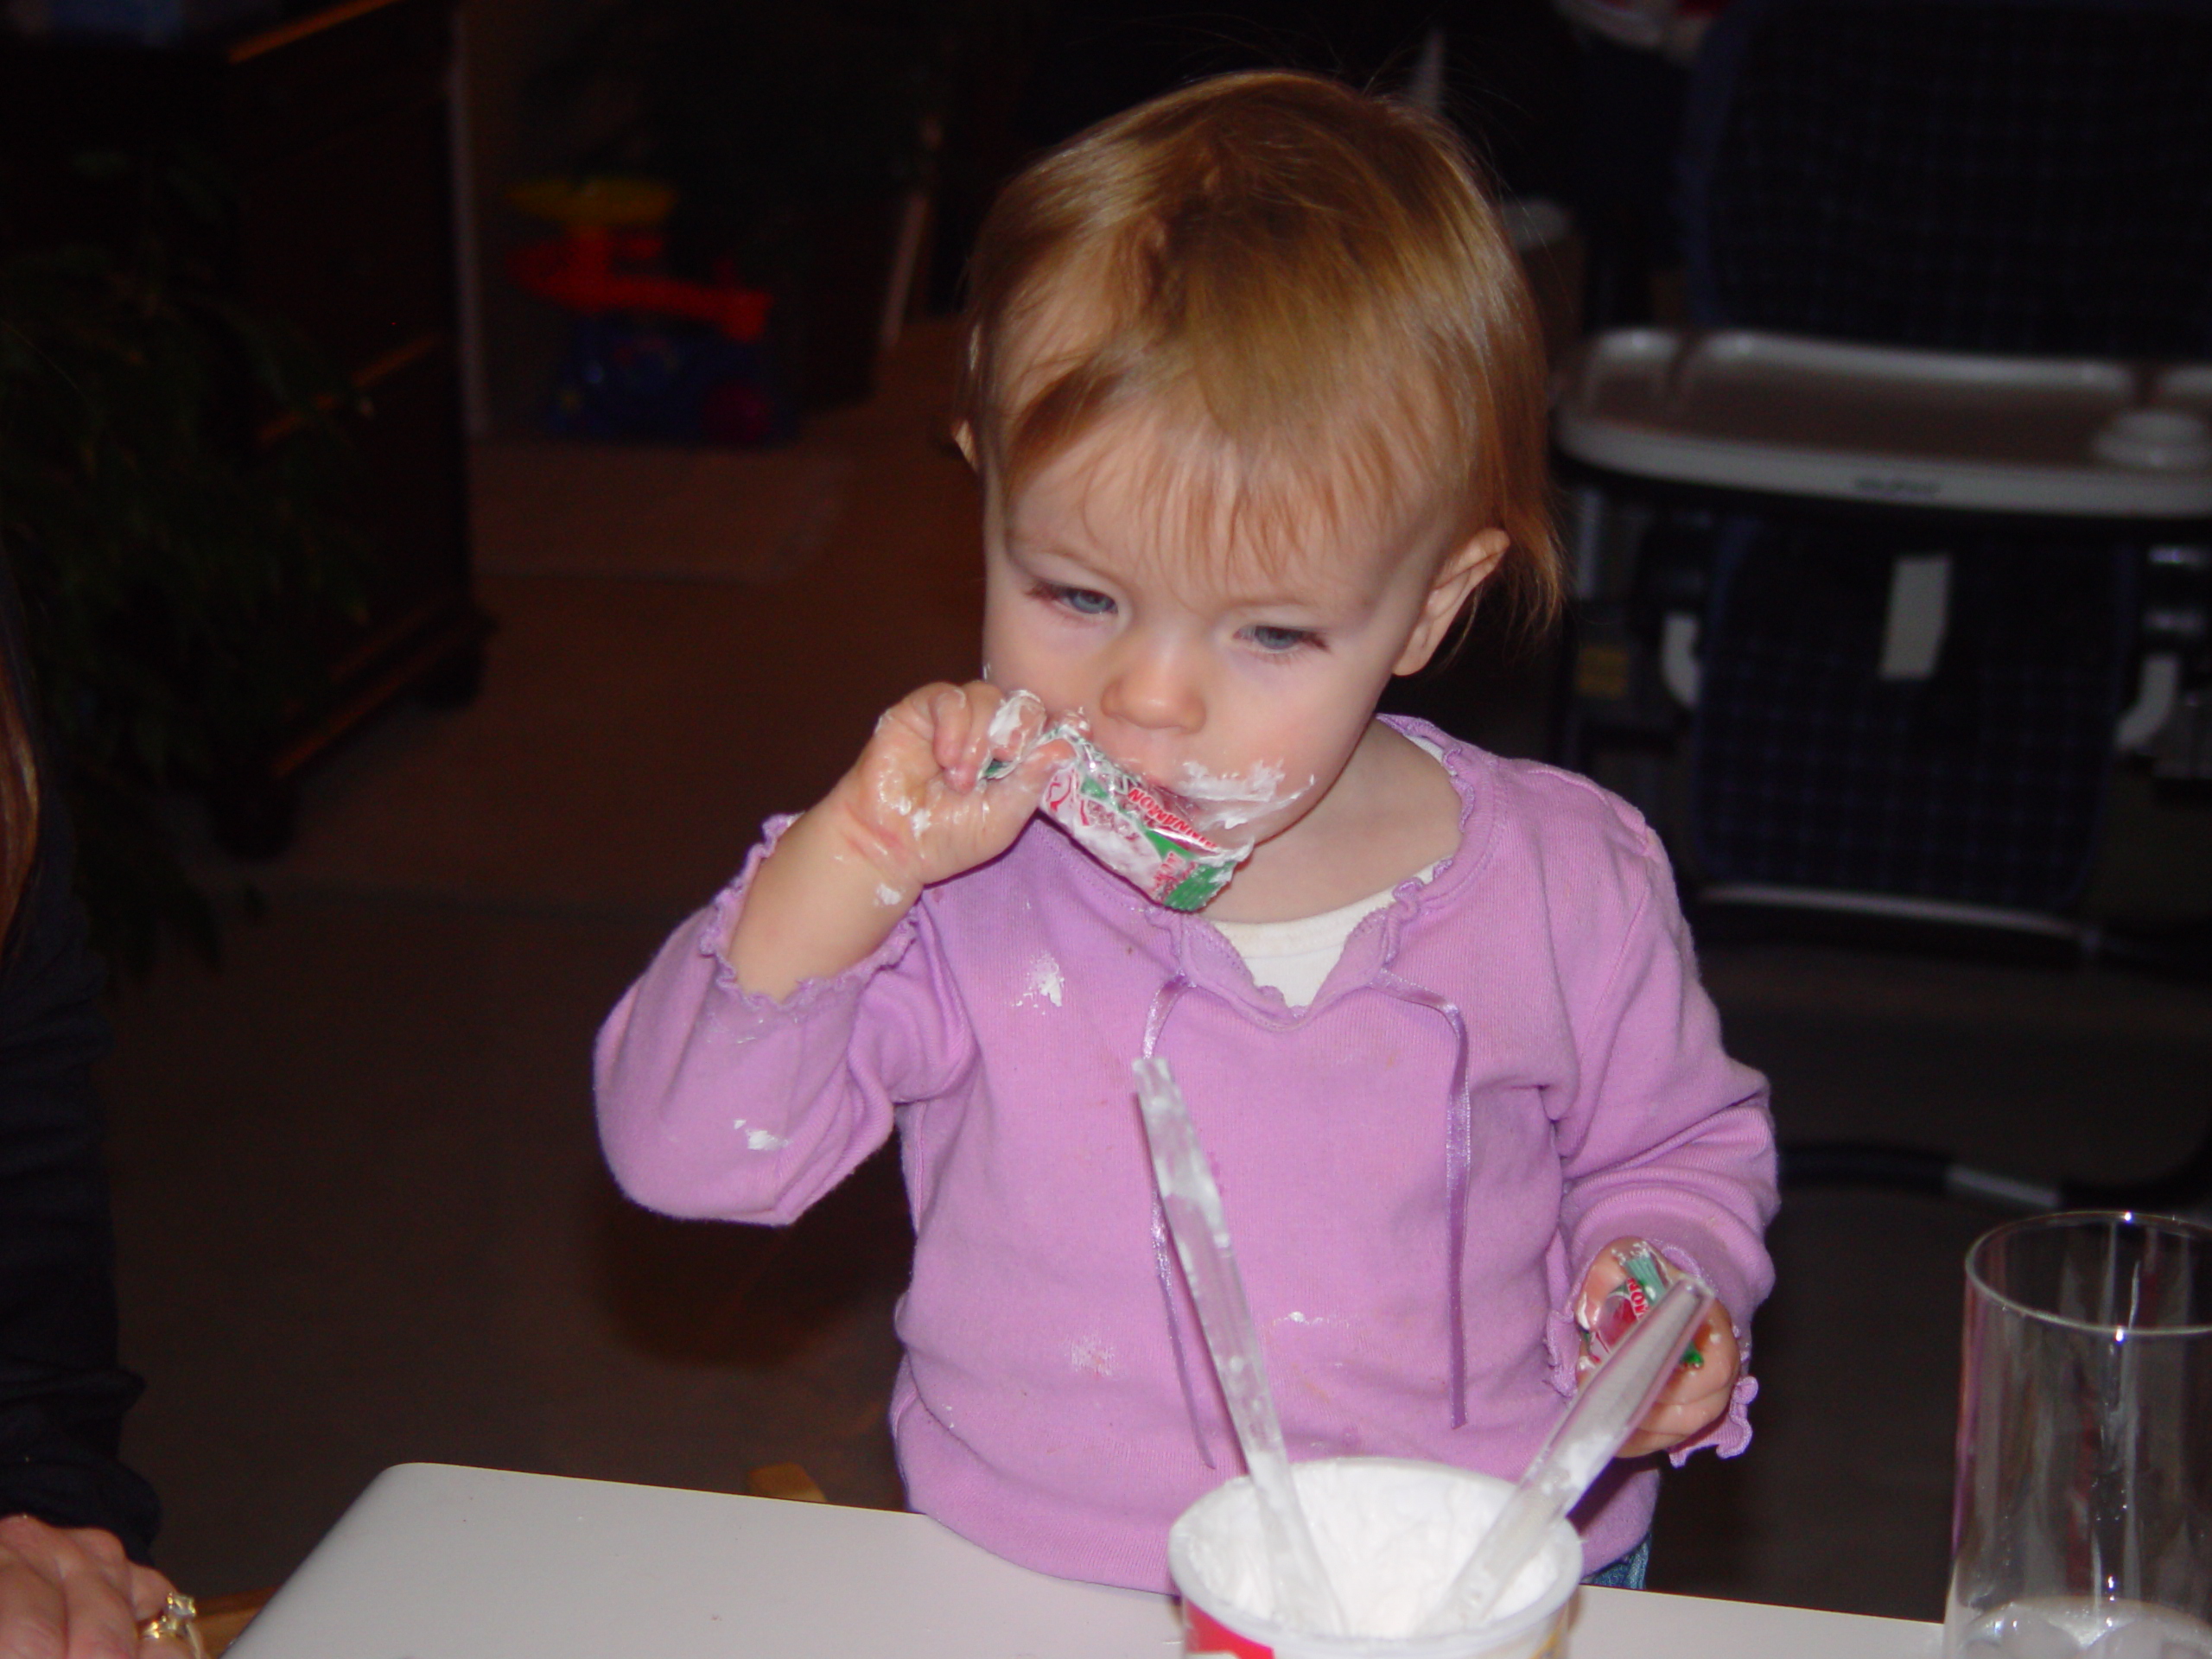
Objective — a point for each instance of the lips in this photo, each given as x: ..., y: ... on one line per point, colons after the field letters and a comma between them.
x: 1210, y: 820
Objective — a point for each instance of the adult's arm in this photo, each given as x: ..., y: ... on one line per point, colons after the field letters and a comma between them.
x: 62, y: 1393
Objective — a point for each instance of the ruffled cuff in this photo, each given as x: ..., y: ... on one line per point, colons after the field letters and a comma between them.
x: 729, y: 903
x: 1729, y: 1434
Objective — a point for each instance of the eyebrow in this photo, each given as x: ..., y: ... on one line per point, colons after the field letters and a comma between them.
x: 1051, y: 545
x: 1315, y: 605
x: 1051, y: 548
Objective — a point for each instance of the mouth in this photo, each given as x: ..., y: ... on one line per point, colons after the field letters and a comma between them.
x: 1215, y: 803
x: 1227, y: 801
x: 1221, y: 803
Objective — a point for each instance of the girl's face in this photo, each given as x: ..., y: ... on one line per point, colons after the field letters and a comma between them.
x: 1238, y: 673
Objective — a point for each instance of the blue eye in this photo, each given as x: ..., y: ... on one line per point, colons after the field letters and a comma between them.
x: 1279, y: 641
x: 1081, y: 600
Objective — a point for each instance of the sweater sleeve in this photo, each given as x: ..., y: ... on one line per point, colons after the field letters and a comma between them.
x: 1666, y: 1138
x: 717, y: 1103
x: 63, y: 1393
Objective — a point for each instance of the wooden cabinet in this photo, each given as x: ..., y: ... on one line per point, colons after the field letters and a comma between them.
x: 337, y: 125
x: 332, y: 124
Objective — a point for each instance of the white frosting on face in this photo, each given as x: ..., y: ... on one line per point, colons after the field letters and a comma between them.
x: 1228, y: 800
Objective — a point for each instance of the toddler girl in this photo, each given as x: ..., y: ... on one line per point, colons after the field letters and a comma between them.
x: 1253, y: 388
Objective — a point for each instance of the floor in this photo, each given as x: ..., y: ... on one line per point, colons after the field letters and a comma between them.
x: 362, y: 1218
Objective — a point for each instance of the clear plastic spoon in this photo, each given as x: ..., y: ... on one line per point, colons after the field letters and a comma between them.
x: 1303, y: 1593
x: 1614, y: 1399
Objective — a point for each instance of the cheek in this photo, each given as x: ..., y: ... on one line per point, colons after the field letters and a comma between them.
x: 997, y: 646
x: 1309, y: 737
x: 1024, y: 653
x: 1317, y: 712
x: 1005, y: 640
x: 1310, y: 730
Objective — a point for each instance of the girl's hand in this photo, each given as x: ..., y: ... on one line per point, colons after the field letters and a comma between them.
x: 913, y: 806
x: 1695, y: 1398
x: 911, y: 811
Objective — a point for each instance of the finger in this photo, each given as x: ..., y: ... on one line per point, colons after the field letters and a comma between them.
x: 1716, y: 1342
x: 1003, y: 727
x: 910, y: 714
x: 34, y: 1619
x: 1016, y: 796
x: 980, y: 701
x: 1011, y: 730
x: 1669, y: 1426
x: 1605, y: 1274
x: 1713, y: 1371
x: 1694, y: 1395
x: 1715, y: 1347
x: 949, y: 723
x: 97, y: 1610
x: 95, y: 1550
x: 898, y: 761
x: 1672, y: 1422
x: 149, y: 1593
x: 1035, y: 768
x: 1694, y: 1398
x: 96, y: 1591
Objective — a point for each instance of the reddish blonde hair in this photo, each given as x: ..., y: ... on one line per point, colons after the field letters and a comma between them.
x: 1310, y: 278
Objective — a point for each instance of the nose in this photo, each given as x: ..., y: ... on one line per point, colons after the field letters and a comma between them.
x: 1153, y: 686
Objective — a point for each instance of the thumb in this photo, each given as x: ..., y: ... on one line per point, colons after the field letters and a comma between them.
x: 1026, y: 783
x: 1004, y: 804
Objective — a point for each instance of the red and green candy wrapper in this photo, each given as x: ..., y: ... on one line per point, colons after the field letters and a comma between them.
x: 1648, y: 1274
x: 1128, y: 826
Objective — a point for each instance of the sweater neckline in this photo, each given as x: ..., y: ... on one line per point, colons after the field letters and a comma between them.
x: 1205, y: 955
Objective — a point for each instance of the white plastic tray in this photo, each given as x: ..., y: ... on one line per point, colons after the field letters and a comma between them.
x: 1787, y: 416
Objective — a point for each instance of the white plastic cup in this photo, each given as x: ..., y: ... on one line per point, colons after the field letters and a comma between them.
x: 1398, y: 1526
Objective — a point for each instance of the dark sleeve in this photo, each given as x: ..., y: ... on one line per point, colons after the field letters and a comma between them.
x: 62, y: 1395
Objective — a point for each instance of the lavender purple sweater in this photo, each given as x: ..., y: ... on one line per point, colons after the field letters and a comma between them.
x: 1510, y: 1066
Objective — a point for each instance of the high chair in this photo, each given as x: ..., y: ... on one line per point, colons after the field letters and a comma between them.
x: 1912, y: 532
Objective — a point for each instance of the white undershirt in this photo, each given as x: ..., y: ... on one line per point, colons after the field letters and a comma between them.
x: 1295, y: 956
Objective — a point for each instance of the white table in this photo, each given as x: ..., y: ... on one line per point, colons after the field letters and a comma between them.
x: 438, y: 1563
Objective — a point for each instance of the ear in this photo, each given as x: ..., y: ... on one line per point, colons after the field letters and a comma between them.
x: 964, y: 436
x: 1458, y: 579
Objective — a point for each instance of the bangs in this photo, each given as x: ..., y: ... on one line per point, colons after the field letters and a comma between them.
x: 1287, y: 509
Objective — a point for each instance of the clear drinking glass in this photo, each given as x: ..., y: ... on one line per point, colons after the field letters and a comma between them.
x: 2082, y: 1522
